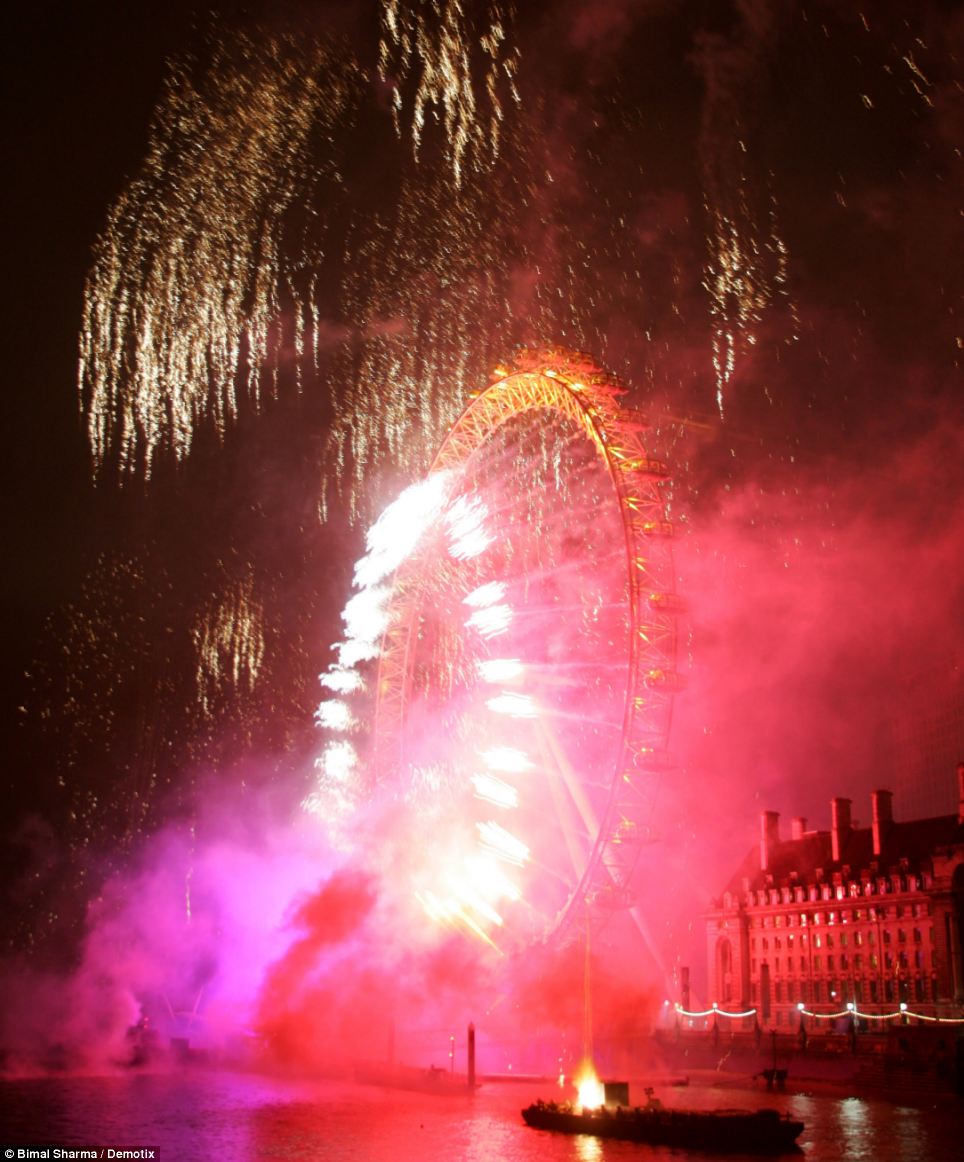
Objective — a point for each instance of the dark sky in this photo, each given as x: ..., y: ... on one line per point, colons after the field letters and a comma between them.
x: 824, y: 505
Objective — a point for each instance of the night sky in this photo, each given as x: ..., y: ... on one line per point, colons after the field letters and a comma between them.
x: 748, y: 210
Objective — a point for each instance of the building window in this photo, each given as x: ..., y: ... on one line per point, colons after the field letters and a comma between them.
x: 917, y: 936
x: 918, y: 989
x: 873, y: 989
x: 844, y: 963
x: 816, y: 964
x: 858, y: 962
x: 724, y: 970
x: 858, y: 938
x: 829, y: 964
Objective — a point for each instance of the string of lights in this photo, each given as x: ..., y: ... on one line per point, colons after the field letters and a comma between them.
x: 851, y: 1010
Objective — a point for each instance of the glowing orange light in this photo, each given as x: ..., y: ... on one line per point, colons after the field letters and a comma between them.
x: 590, y: 1090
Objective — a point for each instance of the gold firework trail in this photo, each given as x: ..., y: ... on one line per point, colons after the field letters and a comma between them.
x: 230, y: 643
x: 184, y: 313
x: 430, y: 48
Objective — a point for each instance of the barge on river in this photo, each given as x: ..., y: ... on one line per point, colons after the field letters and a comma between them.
x: 725, y: 1131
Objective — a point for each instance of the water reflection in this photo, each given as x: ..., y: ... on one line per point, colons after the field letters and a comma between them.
x: 201, y: 1116
x: 588, y: 1149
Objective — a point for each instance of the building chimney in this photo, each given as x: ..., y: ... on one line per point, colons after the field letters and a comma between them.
x: 839, y: 826
x: 769, y: 836
x: 882, y: 808
x: 798, y: 826
x: 960, y: 792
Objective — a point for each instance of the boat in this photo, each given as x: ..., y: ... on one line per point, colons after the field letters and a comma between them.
x: 750, y: 1131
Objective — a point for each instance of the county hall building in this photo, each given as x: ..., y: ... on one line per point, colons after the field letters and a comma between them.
x: 867, y: 916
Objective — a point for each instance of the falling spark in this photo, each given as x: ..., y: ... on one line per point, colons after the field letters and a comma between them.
x: 466, y: 520
x: 497, y: 671
x: 437, y: 46
x: 488, y: 594
x: 229, y: 643
x: 341, y: 681
x: 507, y: 758
x: 365, y: 615
x: 335, y: 715
x: 393, y: 537
x: 183, y: 305
x: 515, y: 705
x: 491, y: 622
x: 746, y: 273
x: 338, y: 761
x: 503, y: 844
x: 495, y: 791
x: 489, y: 876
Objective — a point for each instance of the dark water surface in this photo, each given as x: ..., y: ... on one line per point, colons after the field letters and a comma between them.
x: 195, y: 1116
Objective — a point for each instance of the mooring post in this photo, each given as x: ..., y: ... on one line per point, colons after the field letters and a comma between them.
x: 471, y: 1040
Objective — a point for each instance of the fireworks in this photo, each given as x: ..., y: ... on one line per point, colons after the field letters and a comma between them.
x: 186, y: 315
x: 494, y: 750
x: 435, y: 44
x: 747, y: 265
x: 331, y: 241
x: 229, y: 639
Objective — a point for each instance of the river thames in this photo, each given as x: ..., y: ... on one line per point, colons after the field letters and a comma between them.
x: 200, y: 1115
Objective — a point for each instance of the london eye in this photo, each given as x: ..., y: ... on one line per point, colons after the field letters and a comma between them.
x: 527, y: 666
